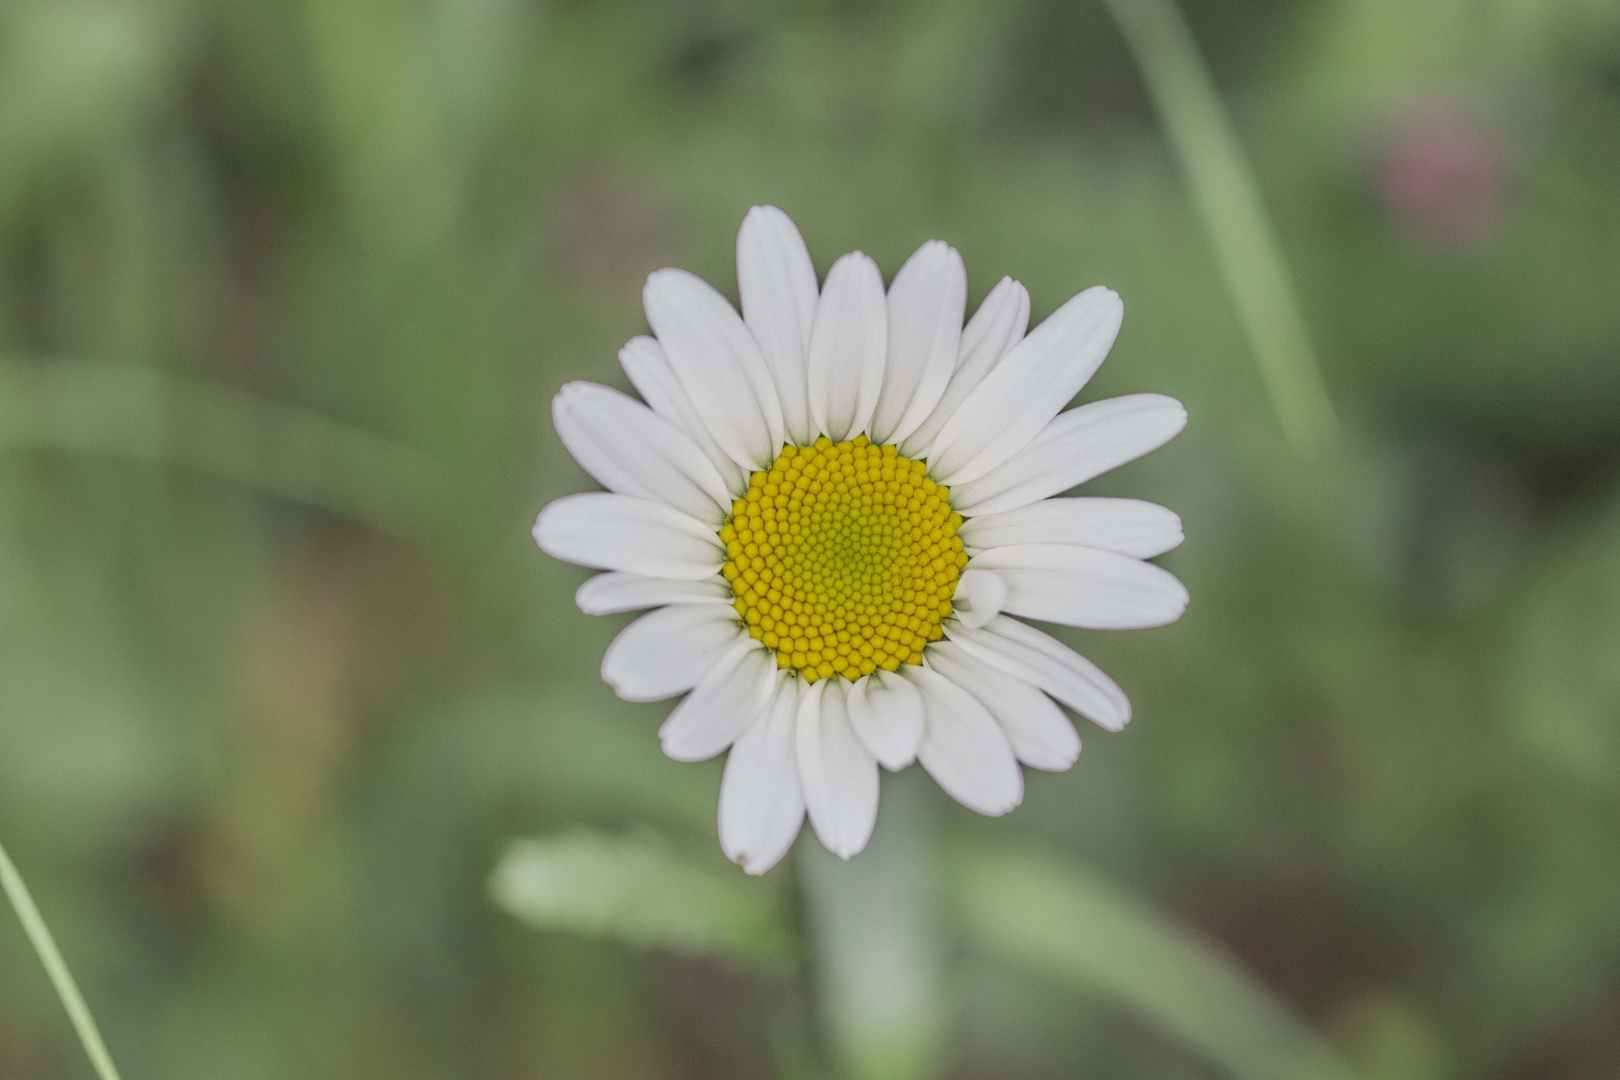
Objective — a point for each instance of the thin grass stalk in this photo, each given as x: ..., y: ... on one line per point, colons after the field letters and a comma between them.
x: 1227, y: 199
x: 40, y: 936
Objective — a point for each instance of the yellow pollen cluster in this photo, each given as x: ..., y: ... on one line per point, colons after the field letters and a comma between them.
x: 843, y: 558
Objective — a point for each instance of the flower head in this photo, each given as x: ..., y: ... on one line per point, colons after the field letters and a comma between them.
x: 835, y: 505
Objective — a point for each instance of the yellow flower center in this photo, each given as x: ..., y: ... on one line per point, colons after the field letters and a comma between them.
x: 843, y: 558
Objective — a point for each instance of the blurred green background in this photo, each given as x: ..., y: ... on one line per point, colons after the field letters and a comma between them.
x: 285, y: 289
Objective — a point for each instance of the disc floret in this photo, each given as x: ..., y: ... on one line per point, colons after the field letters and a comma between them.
x: 843, y: 558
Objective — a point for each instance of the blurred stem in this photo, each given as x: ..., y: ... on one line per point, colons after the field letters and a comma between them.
x: 151, y: 415
x: 794, y: 1046
x: 875, y: 943
x: 1226, y: 197
x: 40, y: 935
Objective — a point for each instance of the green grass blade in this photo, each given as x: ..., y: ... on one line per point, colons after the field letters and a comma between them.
x: 153, y: 416
x: 1226, y: 197
x: 40, y: 936
x: 1038, y: 914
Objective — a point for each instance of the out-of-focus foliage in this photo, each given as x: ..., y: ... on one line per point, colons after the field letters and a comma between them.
x: 638, y: 891
x: 1036, y: 913
x: 270, y: 711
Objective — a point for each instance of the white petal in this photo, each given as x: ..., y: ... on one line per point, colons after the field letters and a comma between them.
x: 1040, y: 734
x: 776, y: 283
x: 666, y: 652
x: 887, y: 714
x: 719, y: 364
x: 847, y: 348
x: 647, y: 367
x: 632, y: 450
x: 980, y: 596
x: 1022, y: 394
x: 1082, y: 443
x: 998, y: 325
x: 731, y: 695
x: 926, y: 303
x: 1128, y: 526
x: 963, y: 748
x: 1078, y: 586
x: 1037, y: 657
x: 761, y: 803
x: 611, y: 593
x: 839, y: 777
x: 995, y: 328
x: 622, y: 532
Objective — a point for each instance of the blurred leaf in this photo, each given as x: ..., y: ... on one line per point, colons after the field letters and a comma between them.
x: 165, y: 419
x: 639, y: 891
x: 1038, y: 913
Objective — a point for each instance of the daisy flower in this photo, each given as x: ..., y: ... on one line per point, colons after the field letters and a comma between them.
x: 838, y: 505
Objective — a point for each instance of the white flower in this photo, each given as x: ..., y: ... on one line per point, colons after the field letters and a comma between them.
x: 835, y: 505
